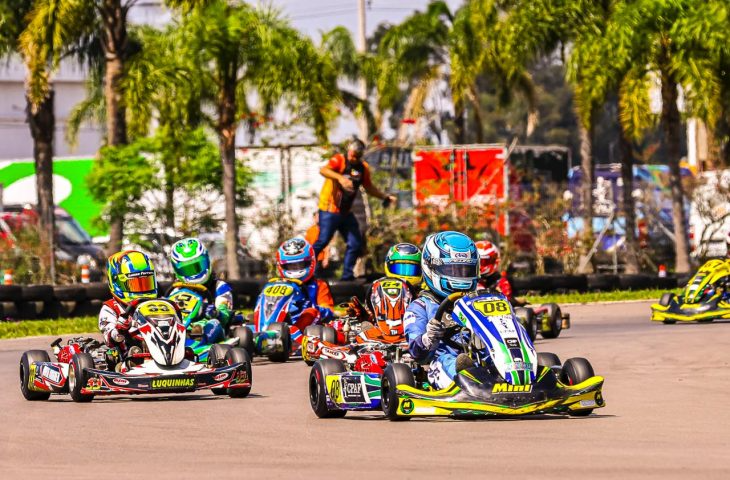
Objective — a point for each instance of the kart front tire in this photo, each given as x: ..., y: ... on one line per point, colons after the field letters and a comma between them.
x: 554, y: 321
x: 29, y: 357
x: 282, y: 331
x: 245, y: 339
x: 547, y: 359
x: 577, y: 370
x: 217, y: 358
x: 527, y: 318
x: 312, y: 331
x: 78, y: 378
x: 666, y: 299
x: 395, y: 374
x: 234, y: 356
x: 329, y: 335
x: 318, y: 387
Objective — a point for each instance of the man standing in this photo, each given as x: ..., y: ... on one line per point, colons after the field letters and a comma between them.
x: 343, y: 178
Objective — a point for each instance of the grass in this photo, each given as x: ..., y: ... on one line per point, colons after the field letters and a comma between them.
x: 66, y: 326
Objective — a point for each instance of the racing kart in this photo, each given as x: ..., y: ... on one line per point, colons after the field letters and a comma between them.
x: 278, y: 306
x: 191, y: 300
x: 548, y: 320
x: 705, y: 297
x: 503, y: 375
x: 156, y: 361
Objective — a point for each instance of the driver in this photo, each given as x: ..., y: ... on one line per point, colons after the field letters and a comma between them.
x: 131, y: 278
x: 191, y: 263
x: 450, y: 264
x: 295, y: 259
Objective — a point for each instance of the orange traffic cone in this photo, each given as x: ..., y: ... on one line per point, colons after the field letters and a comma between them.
x: 8, y: 279
x: 662, y: 271
x: 85, y: 277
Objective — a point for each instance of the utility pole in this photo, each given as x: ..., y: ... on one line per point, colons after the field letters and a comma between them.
x: 361, y: 47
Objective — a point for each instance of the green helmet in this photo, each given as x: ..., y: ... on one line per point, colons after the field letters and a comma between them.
x: 404, y: 261
x: 190, y: 261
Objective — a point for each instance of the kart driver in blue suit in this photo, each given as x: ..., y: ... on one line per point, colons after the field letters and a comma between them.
x: 450, y: 263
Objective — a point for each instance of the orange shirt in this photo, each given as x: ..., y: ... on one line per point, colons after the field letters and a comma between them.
x: 311, y: 236
x: 324, y: 296
x: 331, y: 194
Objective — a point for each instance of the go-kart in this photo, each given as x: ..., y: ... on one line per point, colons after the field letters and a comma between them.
x: 705, y: 298
x: 191, y: 300
x: 156, y: 361
x: 548, y: 320
x: 502, y: 374
x: 278, y: 306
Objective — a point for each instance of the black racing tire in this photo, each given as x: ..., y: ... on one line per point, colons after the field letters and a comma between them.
x: 217, y: 358
x: 245, y: 339
x: 69, y: 293
x: 395, y: 374
x: 239, y: 355
x: 318, y: 387
x: 666, y: 299
x: 98, y: 291
x: 284, y: 333
x: 577, y: 370
x: 10, y: 293
x: 25, y: 360
x: 329, y: 335
x: 528, y: 320
x: 314, y: 331
x: 554, y: 321
x: 547, y: 359
x: 78, y: 378
x: 37, y: 293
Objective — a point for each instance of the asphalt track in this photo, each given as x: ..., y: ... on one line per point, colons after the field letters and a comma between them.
x: 667, y: 391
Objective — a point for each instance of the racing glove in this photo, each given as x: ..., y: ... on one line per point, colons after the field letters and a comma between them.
x: 357, y: 309
x: 113, y: 335
x: 211, y: 311
x: 504, y: 287
x: 434, y: 334
x: 123, y: 323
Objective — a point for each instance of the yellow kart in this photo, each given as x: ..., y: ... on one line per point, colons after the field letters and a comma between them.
x: 705, y: 298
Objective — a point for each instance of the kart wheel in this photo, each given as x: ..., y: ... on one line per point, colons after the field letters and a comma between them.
x: 394, y: 374
x: 217, y: 358
x: 527, y: 318
x: 245, y: 339
x: 239, y: 355
x: 282, y: 331
x: 314, y: 331
x: 318, y: 387
x: 546, y: 359
x: 78, y: 378
x: 329, y: 335
x: 554, y: 321
x: 29, y: 357
x: 666, y: 299
x: 575, y: 371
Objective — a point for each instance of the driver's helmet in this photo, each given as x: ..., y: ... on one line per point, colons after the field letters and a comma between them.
x: 488, y: 258
x: 387, y: 300
x: 190, y: 261
x: 404, y: 261
x: 450, y: 263
x: 131, y: 276
x: 295, y: 259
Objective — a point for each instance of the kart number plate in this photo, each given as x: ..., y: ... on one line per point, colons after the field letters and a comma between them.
x: 278, y: 290
x: 492, y: 307
x: 186, y: 301
x: 156, y: 307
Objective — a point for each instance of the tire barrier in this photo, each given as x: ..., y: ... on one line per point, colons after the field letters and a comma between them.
x: 18, y: 302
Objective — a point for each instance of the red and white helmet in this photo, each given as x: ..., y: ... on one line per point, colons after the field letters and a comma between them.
x: 488, y: 258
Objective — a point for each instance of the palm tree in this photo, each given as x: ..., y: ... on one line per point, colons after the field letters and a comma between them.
x: 58, y: 28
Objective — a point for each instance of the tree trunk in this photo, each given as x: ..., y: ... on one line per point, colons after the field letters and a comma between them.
x: 627, y: 178
x: 115, y: 47
x: 473, y: 96
x: 42, y: 123
x: 227, y: 141
x: 672, y: 131
x: 586, y: 189
x: 459, y: 124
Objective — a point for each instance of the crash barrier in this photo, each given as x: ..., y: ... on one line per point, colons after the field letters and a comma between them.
x: 19, y: 302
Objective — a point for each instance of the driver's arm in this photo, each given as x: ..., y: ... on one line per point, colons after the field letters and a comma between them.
x: 415, y: 321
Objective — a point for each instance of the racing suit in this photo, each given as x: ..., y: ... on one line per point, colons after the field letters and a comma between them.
x: 320, y: 297
x: 497, y: 282
x: 219, y: 313
x: 112, y: 324
x: 441, y: 357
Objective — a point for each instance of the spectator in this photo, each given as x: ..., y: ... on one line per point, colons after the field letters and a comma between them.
x: 343, y: 178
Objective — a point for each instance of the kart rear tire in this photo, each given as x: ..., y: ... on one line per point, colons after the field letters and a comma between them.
x: 666, y: 299
x: 314, y: 331
x: 78, y: 378
x: 29, y: 357
x: 527, y: 318
x: 239, y: 355
x: 554, y: 321
x: 547, y: 359
x: 318, y: 387
x: 394, y: 374
x: 282, y: 330
x: 577, y: 370
x: 245, y: 339
x: 329, y: 335
x: 217, y: 358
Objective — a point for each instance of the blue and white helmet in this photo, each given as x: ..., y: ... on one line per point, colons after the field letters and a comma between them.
x: 450, y: 263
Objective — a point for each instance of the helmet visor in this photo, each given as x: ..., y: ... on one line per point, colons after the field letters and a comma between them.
x: 192, y: 269
x: 140, y: 284
x: 404, y: 269
x: 295, y: 266
x: 457, y: 270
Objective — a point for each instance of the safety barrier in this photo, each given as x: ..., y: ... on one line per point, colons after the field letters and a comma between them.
x: 61, y: 301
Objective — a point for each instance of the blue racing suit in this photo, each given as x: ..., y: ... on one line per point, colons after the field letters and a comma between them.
x: 441, y: 357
